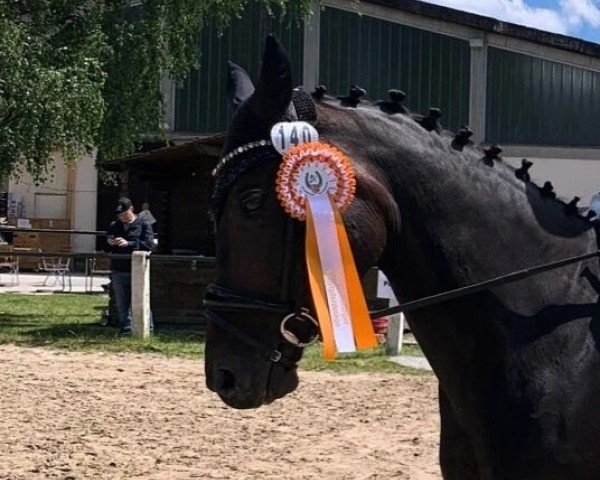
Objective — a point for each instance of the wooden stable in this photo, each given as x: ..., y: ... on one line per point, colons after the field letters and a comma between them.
x: 176, y: 181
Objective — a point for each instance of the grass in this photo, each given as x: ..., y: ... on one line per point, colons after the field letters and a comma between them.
x: 366, y: 361
x: 72, y: 322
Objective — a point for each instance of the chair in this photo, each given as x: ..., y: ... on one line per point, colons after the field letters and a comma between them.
x: 59, y: 269
x: 9, y: 263
x: 95, y: 266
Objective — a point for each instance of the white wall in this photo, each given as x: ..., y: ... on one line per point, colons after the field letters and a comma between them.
x: 569, y: 177
x: 85, y: 203
x: 49, y: 200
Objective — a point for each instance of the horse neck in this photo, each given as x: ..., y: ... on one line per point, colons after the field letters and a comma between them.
x: 464, y: 218
x: 464, y: 222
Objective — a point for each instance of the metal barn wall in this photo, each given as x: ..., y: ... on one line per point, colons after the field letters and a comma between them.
x: 201, y: 103
x: 531, y: 101
x: 433, y: 69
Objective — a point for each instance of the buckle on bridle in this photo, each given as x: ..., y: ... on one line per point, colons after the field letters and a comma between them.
x: 303, y: 316
x: 276, y: 357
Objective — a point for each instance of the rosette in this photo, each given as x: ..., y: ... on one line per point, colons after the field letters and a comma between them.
x: 314, y: 168
x: 316, y: 182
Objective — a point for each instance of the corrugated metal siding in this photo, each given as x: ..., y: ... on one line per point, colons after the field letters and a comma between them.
x: 432, y: 69
x: 201, y: 102
x: 532, y: 101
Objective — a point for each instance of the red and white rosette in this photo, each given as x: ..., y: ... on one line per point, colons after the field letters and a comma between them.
x: 316, y: 182
x: 310, y: 169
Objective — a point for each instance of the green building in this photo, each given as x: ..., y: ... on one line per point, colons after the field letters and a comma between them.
x: 535, y: 93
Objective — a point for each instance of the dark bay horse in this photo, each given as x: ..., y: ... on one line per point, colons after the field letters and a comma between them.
x: 518, y: 365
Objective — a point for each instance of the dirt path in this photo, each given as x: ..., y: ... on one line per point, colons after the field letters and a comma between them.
x: 109, y: 416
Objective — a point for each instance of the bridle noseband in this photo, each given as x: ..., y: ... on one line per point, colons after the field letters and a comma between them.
x: 221, y: 299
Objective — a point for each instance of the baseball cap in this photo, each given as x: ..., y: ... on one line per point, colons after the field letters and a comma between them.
x: 122, y: 205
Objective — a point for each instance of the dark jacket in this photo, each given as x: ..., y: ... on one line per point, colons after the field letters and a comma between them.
x: 139, y: 235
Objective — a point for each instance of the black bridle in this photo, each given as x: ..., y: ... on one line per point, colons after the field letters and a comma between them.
x: 219, y: 298
x: 222, y: 299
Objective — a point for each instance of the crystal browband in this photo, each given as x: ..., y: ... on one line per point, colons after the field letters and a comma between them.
x: 238, y: 151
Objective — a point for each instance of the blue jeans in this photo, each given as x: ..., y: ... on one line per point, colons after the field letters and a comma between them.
x: 121, y: 284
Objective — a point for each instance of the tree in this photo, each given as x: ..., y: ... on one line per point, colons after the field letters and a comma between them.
x: 79, y: 74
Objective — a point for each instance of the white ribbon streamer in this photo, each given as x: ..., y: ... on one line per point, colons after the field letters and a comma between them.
x: 333, y: 271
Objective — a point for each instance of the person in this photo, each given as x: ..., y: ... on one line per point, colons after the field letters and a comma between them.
x: 146, y: 214
x: 125, y: 235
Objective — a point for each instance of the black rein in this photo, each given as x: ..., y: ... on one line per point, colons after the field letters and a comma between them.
x: 477, y: 287
x: 224, y: 299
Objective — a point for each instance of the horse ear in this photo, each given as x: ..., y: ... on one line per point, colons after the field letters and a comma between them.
x: 274, y: 88
x: 239, y: 86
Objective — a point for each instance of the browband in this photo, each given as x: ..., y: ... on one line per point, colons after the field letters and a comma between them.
x: 227, y: 170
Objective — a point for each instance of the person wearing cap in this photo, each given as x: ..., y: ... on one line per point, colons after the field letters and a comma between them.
x: 125, y: 235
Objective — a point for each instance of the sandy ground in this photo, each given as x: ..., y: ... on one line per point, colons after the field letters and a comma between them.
x: 109, y: 416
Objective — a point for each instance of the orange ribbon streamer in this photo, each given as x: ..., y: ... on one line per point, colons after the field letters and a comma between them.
x: 361, y: 321
x: 317, y: 287
x: 364, y: 334
x: 345, y: 323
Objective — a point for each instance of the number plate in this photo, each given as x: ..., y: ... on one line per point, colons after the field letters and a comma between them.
x: 286, y: 135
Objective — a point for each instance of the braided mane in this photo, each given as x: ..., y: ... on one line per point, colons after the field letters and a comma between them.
x: 442, y: 141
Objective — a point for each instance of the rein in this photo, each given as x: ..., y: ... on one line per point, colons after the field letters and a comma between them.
x: 222, y: 298
x: 477, y: 287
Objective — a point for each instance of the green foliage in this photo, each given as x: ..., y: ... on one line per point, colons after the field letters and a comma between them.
x: 50, y: 87
x: 78, y: 74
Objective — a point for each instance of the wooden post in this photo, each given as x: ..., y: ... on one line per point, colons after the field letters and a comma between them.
x: 140, y: 294
x: 70, y: 213
x: 395, y: 335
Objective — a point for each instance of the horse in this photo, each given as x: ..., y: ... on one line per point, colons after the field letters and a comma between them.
x: 518, y: 364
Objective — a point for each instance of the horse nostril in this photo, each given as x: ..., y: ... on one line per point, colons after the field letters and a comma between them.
x: 227, y: 380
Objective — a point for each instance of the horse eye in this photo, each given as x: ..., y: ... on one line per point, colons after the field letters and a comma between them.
x: 252, y: 200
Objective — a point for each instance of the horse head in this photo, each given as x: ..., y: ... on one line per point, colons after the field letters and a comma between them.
x: 261, y: 278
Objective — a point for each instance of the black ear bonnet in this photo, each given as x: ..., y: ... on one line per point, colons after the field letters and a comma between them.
x: 251, y: 145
